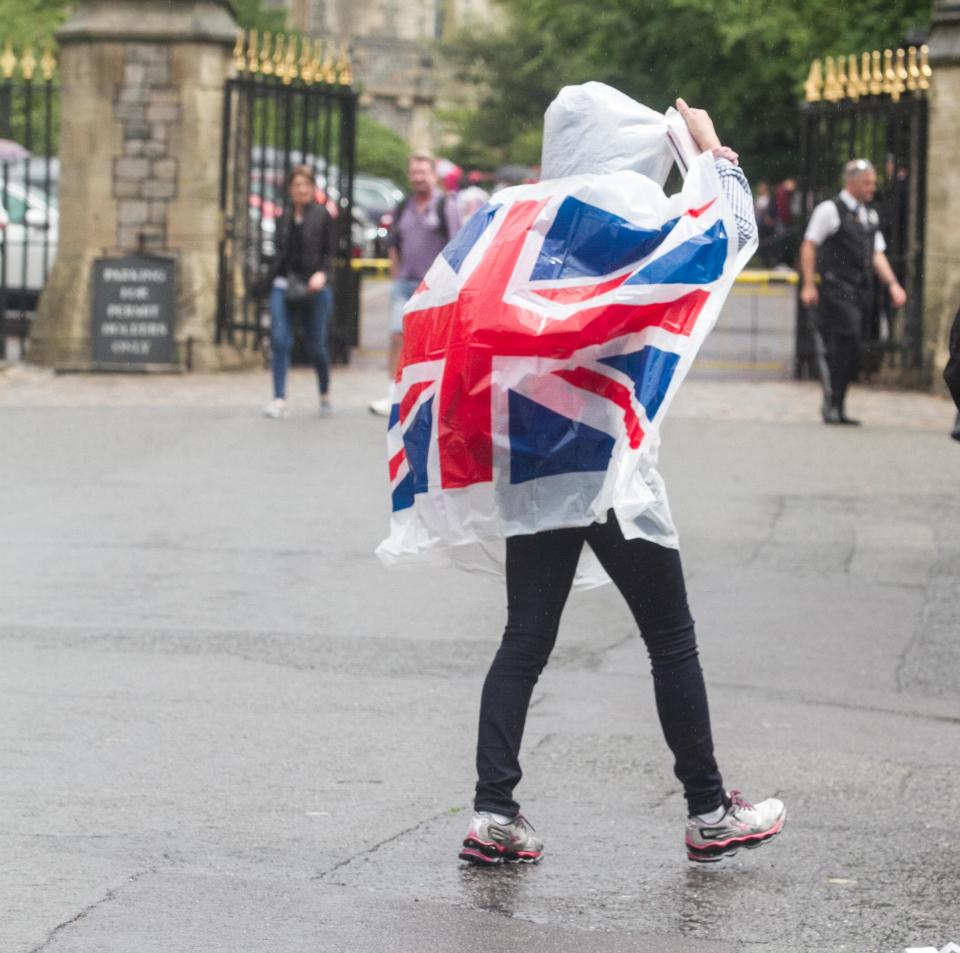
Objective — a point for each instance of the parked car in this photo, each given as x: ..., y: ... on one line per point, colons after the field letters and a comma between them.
x: 378, y: 197
x: 28, y: 244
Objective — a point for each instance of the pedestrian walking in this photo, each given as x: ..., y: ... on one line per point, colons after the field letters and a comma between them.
x: 844, y: 244
x: 423, y: 223
x: 299, y: 287
x: 515, y: 442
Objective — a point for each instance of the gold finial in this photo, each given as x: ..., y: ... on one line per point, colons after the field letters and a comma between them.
x: 28, y: 62
x: 316, y: 60
x: 48, y: 62
x: 814, y: 84
x: 831, y: 89
x: 864, y: 74
x: 290, y: 61
x: 900, y: 72
x: 853, y: 78
x: 279, y: 54
x: 239, y: 60
x: 925, y: 71
x: 305, y: 64
x: 8, y: 62
x: 901, y: 66
x: 889, y: 76
x: 913, y: 71
x: 329, y: 68
x: 266, y: 64
x: 841, y: 77
x: 253, y: 53
x: 876, y: 74
x: 344, y: 69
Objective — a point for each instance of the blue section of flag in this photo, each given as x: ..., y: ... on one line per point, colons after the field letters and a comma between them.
x: 651, y: 371
x: 394, y: 416
x: 545, y: 443
x: 699, y: 260
x: 416, y: 443
x: 586, y: 241
x: 460, y: 246
x: 403, y: 494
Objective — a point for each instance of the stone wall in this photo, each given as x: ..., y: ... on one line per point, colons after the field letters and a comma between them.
x: 141, y: 121
x: 145, y: 175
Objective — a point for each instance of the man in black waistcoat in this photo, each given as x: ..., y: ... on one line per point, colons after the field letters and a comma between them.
x: 843, y: 243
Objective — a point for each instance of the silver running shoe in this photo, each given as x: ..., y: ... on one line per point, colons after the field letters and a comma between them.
x: 744, y: 825
x: 489, y: 841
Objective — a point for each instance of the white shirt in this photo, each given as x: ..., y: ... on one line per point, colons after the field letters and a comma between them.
x: 825, y: 221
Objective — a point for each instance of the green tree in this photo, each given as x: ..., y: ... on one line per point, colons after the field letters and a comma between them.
x: 743, y: 60
x: 380, y: 151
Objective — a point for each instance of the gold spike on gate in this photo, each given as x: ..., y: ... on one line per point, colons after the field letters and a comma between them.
x: 814, y: 84
x: 344, y: 68
x: 239, y: 60
x: 925, y: 71
x: 305, y: 65
x: 853, y: 78
x: 913, y: 71
x: 831, y: 89
x: 8, y: 61
x: 48, y: 62
x: 841, y: 77
x: 290, y: 61
x: 876, y: 74
x: 253, y: 53
x: 266, y: 62
x: 28, y: 62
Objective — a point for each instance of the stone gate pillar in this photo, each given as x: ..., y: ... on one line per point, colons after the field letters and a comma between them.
x: 140, y: 134
x: 942, y: 249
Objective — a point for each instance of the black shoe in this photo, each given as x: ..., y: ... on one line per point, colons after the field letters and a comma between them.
x: 831, y: 415
x: 955, y: 433
x: 849, y: 421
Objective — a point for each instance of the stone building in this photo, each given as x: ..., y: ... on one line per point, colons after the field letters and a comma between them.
x: 392, y: 47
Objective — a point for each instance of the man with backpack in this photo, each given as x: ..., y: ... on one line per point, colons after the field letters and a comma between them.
x: 423, y: 223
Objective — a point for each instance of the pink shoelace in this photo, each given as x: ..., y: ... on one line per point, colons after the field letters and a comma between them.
x: 737, y: 800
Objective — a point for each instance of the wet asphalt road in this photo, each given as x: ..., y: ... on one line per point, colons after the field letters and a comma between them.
x: 223, y: 727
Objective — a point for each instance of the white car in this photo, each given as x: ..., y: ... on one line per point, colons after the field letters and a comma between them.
x: 28, y: 244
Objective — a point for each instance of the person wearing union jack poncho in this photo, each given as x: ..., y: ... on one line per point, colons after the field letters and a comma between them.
x: 540, y: 354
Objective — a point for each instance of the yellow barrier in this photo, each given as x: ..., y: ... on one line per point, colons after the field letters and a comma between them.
x: 378, y: 266
x: 752, y: 276
x: 757, y: 276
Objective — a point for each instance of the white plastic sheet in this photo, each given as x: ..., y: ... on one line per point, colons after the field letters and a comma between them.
x: 547, y: 341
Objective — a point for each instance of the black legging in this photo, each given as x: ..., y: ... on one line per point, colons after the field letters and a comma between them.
x: 540, y: 571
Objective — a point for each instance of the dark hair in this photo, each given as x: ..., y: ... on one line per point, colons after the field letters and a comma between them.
x: 304, y: 170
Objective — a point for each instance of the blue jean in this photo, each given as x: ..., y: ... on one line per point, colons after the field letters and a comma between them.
x: 400, y: 293
x: 316, y: 313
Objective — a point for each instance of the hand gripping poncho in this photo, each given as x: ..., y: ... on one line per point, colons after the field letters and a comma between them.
x: 545, y: 344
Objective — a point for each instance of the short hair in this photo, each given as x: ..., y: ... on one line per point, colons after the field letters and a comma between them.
x: 306, y: 171
x: 423, y: 156
x: 855, y: 166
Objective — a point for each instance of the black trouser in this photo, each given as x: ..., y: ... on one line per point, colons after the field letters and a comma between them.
x: 839, y: 324
x: 540, y: 571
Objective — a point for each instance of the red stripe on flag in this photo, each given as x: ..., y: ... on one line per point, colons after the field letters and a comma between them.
x: 697, y: 212
x: 395, y: 462
x: 410, y: 398
x: 580, y: 292
x: 611, y: 390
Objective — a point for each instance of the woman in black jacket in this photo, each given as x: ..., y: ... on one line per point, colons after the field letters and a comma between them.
x: 299, y: 282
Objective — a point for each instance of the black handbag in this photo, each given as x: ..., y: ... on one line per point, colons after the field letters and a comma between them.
x: 297, y: 291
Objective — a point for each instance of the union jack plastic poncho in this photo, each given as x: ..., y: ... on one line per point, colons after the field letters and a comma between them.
x: 545, y: 344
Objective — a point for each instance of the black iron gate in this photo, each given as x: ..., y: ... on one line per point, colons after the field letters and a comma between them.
x: 873, y: 107
x: 290, y: 104
x: 29, y: 175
